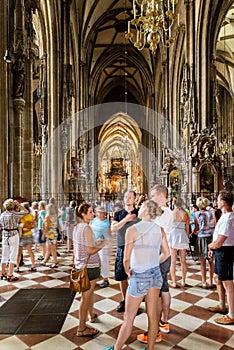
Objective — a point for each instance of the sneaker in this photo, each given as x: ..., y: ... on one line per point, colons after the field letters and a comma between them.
x: 40, y: 258
x: 226, y: 319
x: 111, y: 348
x: 104, y: 284
x: 164, y: 327
x: 143, y: 338
x: 121, y: 306
x: 218, y: 309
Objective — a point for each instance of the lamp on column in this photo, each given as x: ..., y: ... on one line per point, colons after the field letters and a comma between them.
x: 7, y: 57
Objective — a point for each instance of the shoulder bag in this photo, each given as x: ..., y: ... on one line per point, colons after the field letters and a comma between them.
x: 79, y: 279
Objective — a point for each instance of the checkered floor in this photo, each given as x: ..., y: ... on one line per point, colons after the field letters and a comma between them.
x: 192, y: 325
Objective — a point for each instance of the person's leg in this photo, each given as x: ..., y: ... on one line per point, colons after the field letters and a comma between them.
x: 183, y: 264
x: 166, y: 302
x: 19, y: 257
x: 211, y: 271
x: 86, y: 297
x: 173, y: 266
x: 131, y: 307
x: 32, y: 257
x: 48, y: 252
x: 123, y: 288
x: 229, y: 288
x: 14, y: 248
x: 53, y: 248
x: 105, y: 265
x: 153, y: 316
x: 203, y: 271
x: 165, y: 294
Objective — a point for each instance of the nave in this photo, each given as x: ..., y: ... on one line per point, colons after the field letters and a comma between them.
x: 192, y: 325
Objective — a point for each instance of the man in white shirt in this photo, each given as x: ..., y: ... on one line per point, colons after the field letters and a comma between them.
x: 223, y: 249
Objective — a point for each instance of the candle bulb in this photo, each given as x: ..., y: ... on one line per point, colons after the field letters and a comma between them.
x: 137, y: 36
x: 178, y: 19
x: 128, y: 26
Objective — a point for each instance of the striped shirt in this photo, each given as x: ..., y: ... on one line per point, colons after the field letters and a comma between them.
x: 80, y: 248
x: 9, y: 220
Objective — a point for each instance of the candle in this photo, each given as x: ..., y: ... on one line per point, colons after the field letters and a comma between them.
x: 178, y: 19
x: 128, y: 26
x: 137, y: 35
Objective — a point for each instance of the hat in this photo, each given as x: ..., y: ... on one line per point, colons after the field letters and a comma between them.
x: 101, y: 209
x: 9, y: 204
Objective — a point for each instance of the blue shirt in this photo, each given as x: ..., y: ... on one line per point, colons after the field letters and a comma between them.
x: 100, y: 227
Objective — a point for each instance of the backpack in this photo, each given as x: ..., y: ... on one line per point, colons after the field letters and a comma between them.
x: 202, y: 220
x: 71, y: 215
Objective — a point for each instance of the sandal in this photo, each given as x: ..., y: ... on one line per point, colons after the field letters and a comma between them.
x: 12, y: 278
x: 3, y: 276
x: 204, y: 285
x: 87, y: 332
x: 92, y: 319
x: 173, y: 285
x: 54, y: 266
x: 33, y: 269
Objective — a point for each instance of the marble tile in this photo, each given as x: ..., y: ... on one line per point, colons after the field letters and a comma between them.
x: 106, y: 305
x: 195, y: 342
x: 56, y: 343
x: 187, y: 322
x: 12, y: 343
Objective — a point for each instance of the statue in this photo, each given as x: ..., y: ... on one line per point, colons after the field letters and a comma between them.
x: 18, y: 78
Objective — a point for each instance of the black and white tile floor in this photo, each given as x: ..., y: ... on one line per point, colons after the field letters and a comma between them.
x: 192, y: 325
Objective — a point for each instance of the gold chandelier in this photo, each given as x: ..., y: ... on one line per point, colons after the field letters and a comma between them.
x: 153, y: 21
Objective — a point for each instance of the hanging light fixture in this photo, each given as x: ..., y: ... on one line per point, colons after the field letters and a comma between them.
x: 153, y: 21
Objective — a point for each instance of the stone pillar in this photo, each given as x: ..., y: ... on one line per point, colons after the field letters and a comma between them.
x: 17, y: 165
x: 195, y: 181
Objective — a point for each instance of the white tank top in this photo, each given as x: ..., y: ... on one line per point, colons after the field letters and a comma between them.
x: 146, y: 249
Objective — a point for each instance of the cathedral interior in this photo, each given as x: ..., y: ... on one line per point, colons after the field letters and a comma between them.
x: 102, y: 96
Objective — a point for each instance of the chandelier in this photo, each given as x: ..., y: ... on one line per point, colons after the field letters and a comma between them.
x: 153, y: 21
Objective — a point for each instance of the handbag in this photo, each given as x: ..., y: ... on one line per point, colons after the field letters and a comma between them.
x: 192, y: 239
x: 79, y: 279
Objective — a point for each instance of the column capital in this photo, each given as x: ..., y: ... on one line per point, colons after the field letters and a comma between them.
x: 19, y: 104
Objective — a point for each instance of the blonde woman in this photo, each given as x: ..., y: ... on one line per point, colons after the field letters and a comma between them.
x: 26, y: 224
x: 84, y: 247
x: 179, y: 241
x: 143, y: 244
x: 50, y: 224
x: 204, y: 228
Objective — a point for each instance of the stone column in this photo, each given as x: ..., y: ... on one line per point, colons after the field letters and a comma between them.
x: 17, y: 165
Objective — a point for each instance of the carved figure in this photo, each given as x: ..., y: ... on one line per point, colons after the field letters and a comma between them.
x: 18, y: 78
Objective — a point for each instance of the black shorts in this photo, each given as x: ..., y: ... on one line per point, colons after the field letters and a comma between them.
x: 93, y: 272
x: 165, y: 269
x: 224, y: 259
x: 120, y: 274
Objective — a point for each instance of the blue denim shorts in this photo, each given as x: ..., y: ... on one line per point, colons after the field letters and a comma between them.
x: 140, y: 283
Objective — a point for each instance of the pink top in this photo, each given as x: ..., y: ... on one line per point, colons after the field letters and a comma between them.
x: 80, y: 248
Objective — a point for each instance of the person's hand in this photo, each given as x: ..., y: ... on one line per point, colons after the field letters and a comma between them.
x: 129, y: 272
x: 210, y: 254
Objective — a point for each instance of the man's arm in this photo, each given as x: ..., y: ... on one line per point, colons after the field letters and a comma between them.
x: 117, y: 225
x: 218, y: 242
x: 165, y: 251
